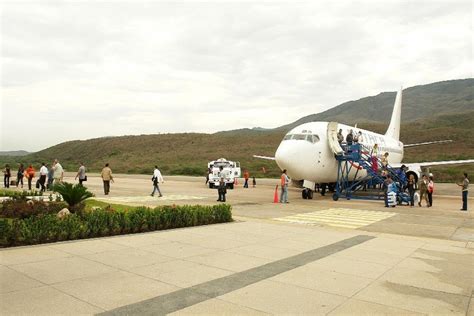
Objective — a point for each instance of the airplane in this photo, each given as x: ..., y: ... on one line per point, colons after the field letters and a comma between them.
x: 308, y: 151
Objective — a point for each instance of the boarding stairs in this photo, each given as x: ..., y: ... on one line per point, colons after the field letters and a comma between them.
x: 357, y: 174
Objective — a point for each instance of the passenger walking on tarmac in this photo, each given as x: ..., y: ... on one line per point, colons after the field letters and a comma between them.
x: 106, y: 175
x: 465, y: 189
x: 209, y: 171
x: 49, y: 186
x: 157, y: 178
x: 284, y: 181
x: 6, y: 176
x: 430, y: 191
x: 43, y: 174
x: 221, y: 190
x: 30, y: 174
x: 58, y: 172
x: 387, y: 188
x: 19, y: 175
x: 423, y: 186
x: 81, y: 174
x: 411, y: 186
x: 246, y: 178
x: 340, y: 137
x: 254, y: 182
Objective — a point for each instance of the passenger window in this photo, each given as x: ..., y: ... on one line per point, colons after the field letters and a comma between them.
x: 287, y: 137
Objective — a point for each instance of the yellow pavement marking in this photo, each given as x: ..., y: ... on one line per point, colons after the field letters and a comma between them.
x: 338, y: 217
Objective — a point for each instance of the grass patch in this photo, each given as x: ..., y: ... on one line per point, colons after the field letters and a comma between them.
x: 91, y: 204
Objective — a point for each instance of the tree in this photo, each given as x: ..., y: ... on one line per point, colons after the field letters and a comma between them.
x: 73, y: 194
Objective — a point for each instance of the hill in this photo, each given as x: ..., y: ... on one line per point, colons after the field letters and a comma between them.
x: 188, y: 153
x: 14, y: 153
x: 445, y: 97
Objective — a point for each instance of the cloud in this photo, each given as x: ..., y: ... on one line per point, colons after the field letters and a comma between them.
x: 75, y: 70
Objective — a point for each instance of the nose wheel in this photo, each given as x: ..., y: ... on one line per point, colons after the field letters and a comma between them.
x: 307, y: 194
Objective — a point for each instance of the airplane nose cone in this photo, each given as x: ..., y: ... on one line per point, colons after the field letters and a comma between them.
x: 288, y: 156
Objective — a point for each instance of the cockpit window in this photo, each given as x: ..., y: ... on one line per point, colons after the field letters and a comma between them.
x: 312, y: 138
x: 308, y: 137
x: 299, y: 137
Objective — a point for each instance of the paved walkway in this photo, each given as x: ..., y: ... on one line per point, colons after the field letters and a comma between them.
x: 253, y: 267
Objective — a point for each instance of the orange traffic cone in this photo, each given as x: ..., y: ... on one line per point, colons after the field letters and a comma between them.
x: 236, y: 182
x: 275, y: 196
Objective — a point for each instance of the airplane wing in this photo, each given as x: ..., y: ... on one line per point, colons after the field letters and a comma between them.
x: 264, y: 157
x: 429, y: 143
x: 414, y: 165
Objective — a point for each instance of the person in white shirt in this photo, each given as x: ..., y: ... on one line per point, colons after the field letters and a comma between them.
x: 157, y: 177
x: 43, y: 174
x: 58, y: 172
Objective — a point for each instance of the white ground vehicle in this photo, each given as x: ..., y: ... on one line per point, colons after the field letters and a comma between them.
x: 230, y: 171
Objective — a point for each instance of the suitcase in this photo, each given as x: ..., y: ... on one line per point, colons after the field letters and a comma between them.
x: 392, y: 199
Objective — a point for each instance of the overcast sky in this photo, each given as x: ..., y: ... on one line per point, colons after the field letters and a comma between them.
x: 79, y: 70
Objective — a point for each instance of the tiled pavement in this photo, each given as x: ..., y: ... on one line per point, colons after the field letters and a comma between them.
x: 388, y: 274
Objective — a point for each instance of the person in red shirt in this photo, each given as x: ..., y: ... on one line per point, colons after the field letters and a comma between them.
x: 30, y: 174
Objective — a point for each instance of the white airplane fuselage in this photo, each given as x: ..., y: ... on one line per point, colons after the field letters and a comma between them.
x: 306, y: 154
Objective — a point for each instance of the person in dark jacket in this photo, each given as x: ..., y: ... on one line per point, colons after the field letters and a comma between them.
x: 19, y: 175
x: 6, y: 176
x: 411, y: 186
x: 349, y: 138
x: 430, y: 191
x: 465, y: 190
x: 221, y: 190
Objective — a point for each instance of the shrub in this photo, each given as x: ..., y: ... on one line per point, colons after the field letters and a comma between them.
x: 47, y: 227
x: 73, y: 194
x: 24, y: 209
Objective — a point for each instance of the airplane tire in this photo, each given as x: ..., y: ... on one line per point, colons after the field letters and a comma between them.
x: 335, y: 197
x: 211, y: 185
x: 304, y: 194
x: 310, y: 194
x: 231, y: 186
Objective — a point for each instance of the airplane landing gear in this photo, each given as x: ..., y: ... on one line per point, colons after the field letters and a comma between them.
x: 307, y: 194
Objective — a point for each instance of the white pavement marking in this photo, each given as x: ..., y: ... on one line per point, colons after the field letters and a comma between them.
x: 338, y: 217
x: 140, y: 199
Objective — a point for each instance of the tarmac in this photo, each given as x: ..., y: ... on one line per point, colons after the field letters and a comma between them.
x: 308, y: 257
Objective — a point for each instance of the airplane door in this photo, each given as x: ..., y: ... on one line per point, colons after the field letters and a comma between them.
x: 332, y: 139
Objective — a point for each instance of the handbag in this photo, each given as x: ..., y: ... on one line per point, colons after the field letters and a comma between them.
x: 85, y: 178
x: 37, y: 184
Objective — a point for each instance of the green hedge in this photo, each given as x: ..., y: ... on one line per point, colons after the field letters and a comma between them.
x: 49, y: 228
